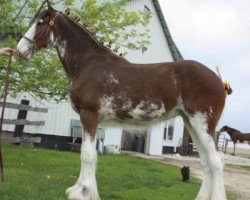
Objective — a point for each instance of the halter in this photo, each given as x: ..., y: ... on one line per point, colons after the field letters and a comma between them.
x: 31, y: 41
x: 51, y: 23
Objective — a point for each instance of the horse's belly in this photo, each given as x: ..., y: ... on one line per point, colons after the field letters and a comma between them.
x: 145, y: 112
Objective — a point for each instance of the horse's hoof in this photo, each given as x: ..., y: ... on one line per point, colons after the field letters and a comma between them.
x: 72, y: 188
x: 78, y: 192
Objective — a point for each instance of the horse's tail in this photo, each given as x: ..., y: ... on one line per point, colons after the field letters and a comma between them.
x: 218, y: 72
x: 227, y: 86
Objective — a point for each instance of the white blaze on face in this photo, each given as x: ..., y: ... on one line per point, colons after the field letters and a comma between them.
x: 24, y: 46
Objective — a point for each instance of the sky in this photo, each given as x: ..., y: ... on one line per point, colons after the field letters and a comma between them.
x: 217, y: 33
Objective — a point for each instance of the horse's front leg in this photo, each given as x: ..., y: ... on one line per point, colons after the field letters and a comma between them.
x: 86, y: 186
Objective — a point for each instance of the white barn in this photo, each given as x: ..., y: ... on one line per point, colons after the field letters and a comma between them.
x: 160, y: 139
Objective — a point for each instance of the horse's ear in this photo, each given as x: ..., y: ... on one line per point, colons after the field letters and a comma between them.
x: 50, y: 8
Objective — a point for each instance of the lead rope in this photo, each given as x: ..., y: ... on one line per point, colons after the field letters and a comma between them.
x: 2, y: 115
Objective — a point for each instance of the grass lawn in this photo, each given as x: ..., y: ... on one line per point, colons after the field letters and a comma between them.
x: 38, y: 174
x: 243, y: 167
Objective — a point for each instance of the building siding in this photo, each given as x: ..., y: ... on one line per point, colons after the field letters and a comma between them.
x: 159, y: 50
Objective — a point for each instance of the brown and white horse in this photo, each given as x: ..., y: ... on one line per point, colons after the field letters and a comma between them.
x: 107, y: 89
x: 235, y: 135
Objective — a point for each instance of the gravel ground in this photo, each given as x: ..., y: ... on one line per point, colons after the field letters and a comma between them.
x: 237, y: 180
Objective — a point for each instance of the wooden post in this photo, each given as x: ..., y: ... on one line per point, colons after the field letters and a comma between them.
x: 2, y: 115
x: 217, y: 134
x: 22, y: 114
x: 185, y: 142
x: 225, y: 151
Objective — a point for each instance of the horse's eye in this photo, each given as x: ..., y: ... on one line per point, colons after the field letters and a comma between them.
x: 40, y: 22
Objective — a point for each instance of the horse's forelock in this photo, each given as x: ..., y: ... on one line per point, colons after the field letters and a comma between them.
x: 43, y: 14
x: 46, y: 13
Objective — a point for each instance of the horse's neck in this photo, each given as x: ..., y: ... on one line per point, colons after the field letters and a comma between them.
x: 74, y: 48
x: 231, y: 131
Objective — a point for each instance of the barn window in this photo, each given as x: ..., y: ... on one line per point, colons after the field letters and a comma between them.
x: 165, y: 134
x: 170, y: 132
x: 144, y: 49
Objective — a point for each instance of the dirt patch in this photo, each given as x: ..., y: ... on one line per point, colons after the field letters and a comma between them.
x: 237, y: 180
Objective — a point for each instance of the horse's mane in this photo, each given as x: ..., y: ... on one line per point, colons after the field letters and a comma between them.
x: 232, y: 129
x: 90, y: 33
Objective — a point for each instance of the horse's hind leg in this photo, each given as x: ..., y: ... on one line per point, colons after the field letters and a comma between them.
x: 212, y: 187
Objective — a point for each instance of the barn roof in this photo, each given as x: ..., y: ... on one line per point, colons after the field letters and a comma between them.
x: 173, y: 48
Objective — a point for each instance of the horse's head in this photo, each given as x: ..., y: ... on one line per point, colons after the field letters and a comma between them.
x: 223, y: 129
x: 40, y: 34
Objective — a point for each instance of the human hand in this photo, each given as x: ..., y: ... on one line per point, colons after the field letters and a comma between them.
x: 6, y: 51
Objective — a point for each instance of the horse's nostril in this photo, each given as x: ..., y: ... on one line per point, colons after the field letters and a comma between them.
x: 18, y: 53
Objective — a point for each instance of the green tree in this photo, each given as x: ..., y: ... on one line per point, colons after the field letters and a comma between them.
x: 45, y: 78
